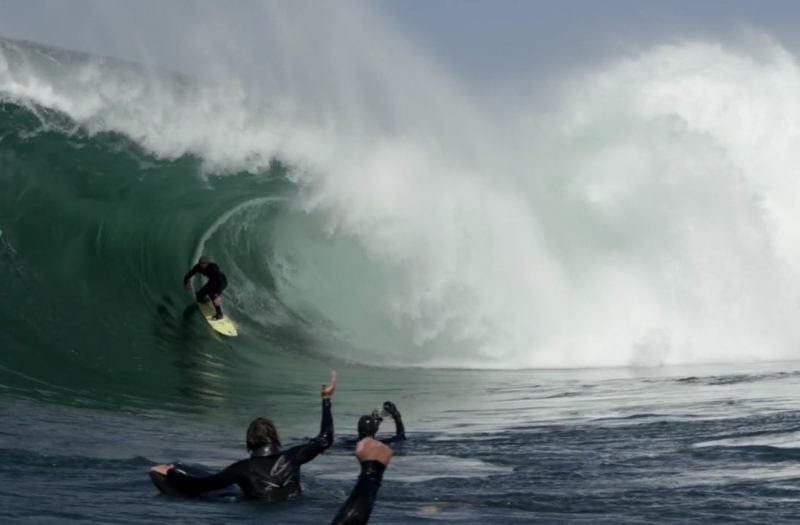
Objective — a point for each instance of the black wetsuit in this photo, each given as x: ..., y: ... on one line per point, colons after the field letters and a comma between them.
x: 217, y: 282
x: 399, y: 435
x: 358, y: 507
x: 268, y: 474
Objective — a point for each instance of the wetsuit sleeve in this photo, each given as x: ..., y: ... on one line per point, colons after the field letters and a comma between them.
x: 194, y: 270
x: 358, y: 507
x: 318, y: 445
x: 400, y: 431
x: 198, y: 485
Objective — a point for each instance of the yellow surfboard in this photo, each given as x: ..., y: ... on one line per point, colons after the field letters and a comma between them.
x: 223, y: 326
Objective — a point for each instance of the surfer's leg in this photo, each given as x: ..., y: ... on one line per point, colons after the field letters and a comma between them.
x: 216, y: 297
x: 217, y: 301
x: 203, y: 294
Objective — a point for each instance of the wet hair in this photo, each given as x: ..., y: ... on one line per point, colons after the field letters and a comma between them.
x: 261, y: 433
x: 367, y: 427
x: 202, y: 260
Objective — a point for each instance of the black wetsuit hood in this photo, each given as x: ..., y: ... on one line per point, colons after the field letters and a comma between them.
x: 368, y: 427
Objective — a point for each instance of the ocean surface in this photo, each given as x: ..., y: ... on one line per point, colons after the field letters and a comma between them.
x: 584, y: 306
x: 532, y: 447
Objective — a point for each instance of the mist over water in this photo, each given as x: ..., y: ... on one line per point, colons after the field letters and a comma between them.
x: 645, y: 218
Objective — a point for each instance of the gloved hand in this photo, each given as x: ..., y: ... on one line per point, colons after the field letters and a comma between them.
x: 392, y: 409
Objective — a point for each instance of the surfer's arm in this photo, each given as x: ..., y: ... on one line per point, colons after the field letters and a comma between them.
x: 192, y: 272
x: 400, y: 429
x: 400, y: 432
x: 358, y: 507
x: 318, y: 445
x: 199, y: 484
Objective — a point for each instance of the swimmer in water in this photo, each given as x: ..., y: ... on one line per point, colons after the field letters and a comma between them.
x: 269, y: 473
x: 374, y: 457
x: 368, y: 425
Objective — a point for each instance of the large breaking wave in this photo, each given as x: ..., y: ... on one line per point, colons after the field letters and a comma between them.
x: 368, y: 207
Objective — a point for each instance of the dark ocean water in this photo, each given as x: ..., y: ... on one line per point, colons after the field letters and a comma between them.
x: 509, y: 447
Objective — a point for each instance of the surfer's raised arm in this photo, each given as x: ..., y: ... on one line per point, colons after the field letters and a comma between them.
x: 323, y: 440
x: 399, y: 427
x: 368, y: 425
x: 374, y: 457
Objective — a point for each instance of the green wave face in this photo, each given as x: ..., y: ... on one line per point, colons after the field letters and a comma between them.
x: 96, y: 237
x: 99, y: 227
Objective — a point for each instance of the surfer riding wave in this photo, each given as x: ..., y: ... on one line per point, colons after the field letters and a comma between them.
x: 212, y: 290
